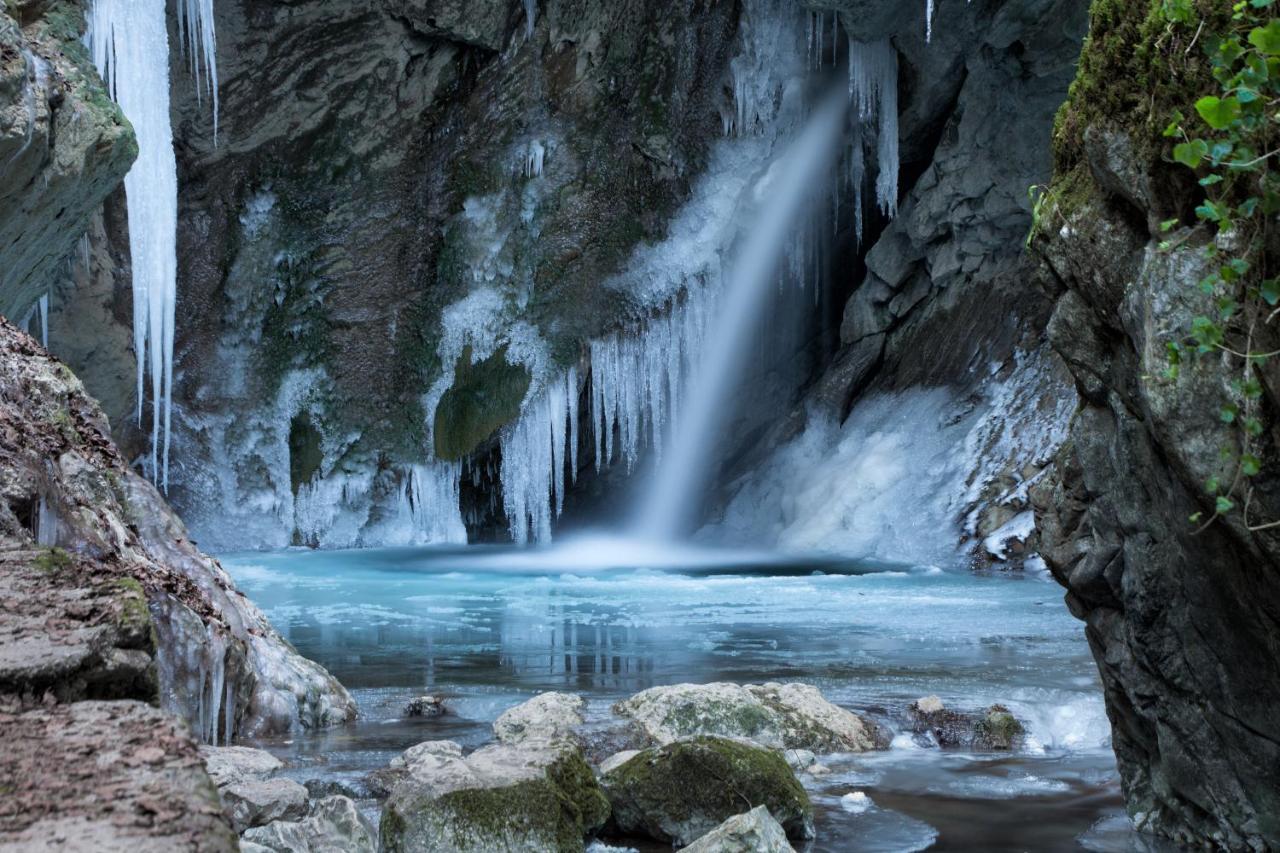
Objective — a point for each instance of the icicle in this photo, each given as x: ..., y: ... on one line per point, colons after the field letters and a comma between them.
x: 530, y: 17
x: 534, y: 159
x: 44, y: 320
x: 199, y: 42
x: 873, y: 88
x: 928, y: 21
x: 129, y: 43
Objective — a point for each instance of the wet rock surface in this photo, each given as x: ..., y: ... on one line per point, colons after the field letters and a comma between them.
x: 64, y: 146
x: 994, y: 728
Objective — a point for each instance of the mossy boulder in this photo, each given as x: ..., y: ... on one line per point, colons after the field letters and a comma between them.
x: 532, y: 797
x: 998, y: 729
x: 680, y: 792
x: 484, y: 397
x: 780, y: 716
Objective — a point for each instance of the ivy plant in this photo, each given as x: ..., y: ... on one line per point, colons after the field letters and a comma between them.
x: 1230, y: 142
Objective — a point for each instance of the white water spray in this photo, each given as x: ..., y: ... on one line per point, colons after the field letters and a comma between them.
x: 129, y: 43
x: 782, y: 197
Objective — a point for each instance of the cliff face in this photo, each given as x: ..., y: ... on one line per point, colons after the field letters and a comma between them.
x: 63, y: 146
x: 1183, y: 617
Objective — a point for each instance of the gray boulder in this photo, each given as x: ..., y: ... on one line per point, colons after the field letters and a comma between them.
x: 537, y: 796
x: 230, y: 764
x: 753, y: 832
x: 681, y: 791
x: 256, y: 802
x: 334, y: 825
x: 780, y: 716
x: 544, y: 717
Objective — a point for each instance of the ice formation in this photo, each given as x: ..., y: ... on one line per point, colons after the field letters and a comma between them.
x: 535, y: 451
x: 196, y: 32
x: 873, y: 91
x: 842, y: 487
x: 129, y: 43
x: 530, y: 17
x: 534, y: 158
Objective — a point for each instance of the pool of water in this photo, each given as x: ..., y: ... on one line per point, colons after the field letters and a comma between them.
x: 489, y: 627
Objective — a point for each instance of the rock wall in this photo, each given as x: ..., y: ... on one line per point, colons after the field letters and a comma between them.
x: 63, y: 146
x: 1183, y: 618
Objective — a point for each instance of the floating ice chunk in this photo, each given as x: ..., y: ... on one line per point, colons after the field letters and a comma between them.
x: 856, y: 802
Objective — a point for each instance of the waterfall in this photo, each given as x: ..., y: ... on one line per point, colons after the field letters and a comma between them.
x: 782, y: 197
x: 129, y: 43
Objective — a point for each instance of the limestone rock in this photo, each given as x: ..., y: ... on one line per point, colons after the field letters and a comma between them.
x: 791, y: 716
x: 536, y: 796
x: 681, y: 791
x: 994, y: 728
x: 544, y: 717
x: 334, y: 825
x: 256, y: 802
x: 753, y: 832
x: 118, y: 777
x: 230, y: 764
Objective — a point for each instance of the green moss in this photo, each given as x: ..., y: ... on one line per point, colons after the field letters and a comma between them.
x: 536, y: 813
x: 998, y: 729
x: 484, y: 397
x: 578, y: 784
x: 688, y: 787
x: 135, y: 618
x: 53, y: 560
x: 1135, y: 72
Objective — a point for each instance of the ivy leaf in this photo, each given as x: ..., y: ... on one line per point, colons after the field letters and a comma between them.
x: 1219, y: 113
x: 1271, y: 290
x: 1267, y: 39
x: 1250, y: 465
x: 1228, y: 413
x: 1191, y: 153
x: 1224, y: 505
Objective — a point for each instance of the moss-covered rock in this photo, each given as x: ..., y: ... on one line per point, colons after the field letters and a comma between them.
x: 998, y: 729
x: 484, y: 396
x: 535, y: 797
x: 681, y: 791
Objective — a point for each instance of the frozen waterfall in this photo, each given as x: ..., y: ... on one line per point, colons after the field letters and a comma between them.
x: 129, y: 43
x: 782, y: 198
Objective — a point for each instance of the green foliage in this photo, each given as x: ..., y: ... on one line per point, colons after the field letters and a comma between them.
x: 53, y: 560
x: 1231, y: 144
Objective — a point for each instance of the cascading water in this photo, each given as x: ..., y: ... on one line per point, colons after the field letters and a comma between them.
x: 129, y: 43
x: 782, y: 197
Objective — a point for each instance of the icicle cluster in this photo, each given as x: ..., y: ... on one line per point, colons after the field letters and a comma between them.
x: 636, y: 377
x: 534, y: 159
x: 873, y: 91
x: 196, y: 32
x: 534, y: 459
x: 129, y: 43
